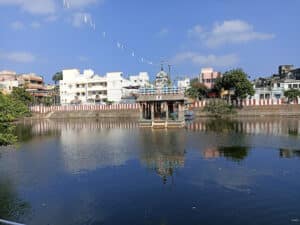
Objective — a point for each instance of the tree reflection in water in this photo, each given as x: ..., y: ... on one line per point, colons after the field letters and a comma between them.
x: 11, y: 206
x: 232, y: 153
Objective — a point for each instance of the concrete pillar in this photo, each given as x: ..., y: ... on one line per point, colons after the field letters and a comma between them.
x: 167, y: 111
x: 152, y: 111
x: 141, y: 111
x: 180, y: 112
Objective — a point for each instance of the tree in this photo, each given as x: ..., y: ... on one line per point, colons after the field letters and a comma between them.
x: 197, y: 90
x: 57, y: 77
x: 236, y: 80
x: 10, y: 110
x: 20, y: 94
x: 292, y: 94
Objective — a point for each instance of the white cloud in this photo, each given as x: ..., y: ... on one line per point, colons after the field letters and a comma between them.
x: 82, y: 3
x: 17, y: 25
x: 206, y: 60
x: 196, y: 31
x: 163, y: 32
x: 35, y: 25
x: 79, y: 19
x: 18, y: 57
x: 46, y: 7
x: 33, y: 6
x: 228, y: 32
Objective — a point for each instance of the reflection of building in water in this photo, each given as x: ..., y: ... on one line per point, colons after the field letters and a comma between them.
x: 91, y: 144
x: 273, y: 127
x: 211, y: 153
x: 163, y: 151
x: 288, y: 153
x: 44, y: 126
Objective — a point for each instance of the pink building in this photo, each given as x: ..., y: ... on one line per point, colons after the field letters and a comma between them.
x: 208, y: 77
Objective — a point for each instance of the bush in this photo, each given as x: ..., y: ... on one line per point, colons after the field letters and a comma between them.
x: 219, y: 108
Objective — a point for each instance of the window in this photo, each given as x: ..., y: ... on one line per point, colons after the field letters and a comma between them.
x: 278, y: 85
x: 261, y: 96
x: 278, y: 96
x: 290, y: 86
x: 295, y: 86
x: 77, y: 85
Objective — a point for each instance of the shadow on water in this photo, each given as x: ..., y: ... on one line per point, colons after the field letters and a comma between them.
x: 11, y: 206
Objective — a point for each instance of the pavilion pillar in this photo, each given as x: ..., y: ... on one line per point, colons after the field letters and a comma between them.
x: 180, y: 112
x: 141, y: 111
x: 167, y: 111
x: 152, y: 111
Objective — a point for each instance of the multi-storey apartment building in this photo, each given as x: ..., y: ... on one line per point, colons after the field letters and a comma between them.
x: 208, y: 77
x: 91, y: 88
x: 8, y: 80
x: 275, y: 86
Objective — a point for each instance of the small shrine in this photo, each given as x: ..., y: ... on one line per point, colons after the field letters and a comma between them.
x: 162, y: 106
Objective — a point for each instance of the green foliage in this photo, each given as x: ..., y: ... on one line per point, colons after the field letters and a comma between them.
x: 236, y: 80
x: 21, y: 95
x: 219, y: 108
x: 57, y: 77
x: 197, y: 90
x: 11, y: 109
x: 292, y: 94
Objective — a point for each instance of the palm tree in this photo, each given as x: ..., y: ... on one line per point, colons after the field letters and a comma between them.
x: 57, y: 77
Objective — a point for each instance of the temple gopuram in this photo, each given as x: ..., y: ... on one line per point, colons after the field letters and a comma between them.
x: 162, y: 106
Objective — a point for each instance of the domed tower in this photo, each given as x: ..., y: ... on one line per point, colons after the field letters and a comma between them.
x: 162, y: 79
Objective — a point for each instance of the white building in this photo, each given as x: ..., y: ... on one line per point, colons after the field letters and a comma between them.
x: 91, y: 88
x: 185, y: 83
x: 276, y: 90
x: 8, y: 80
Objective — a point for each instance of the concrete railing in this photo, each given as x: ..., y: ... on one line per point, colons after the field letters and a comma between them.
x: 70, y: 108
x: 247, y: 102
x: 165, y: 90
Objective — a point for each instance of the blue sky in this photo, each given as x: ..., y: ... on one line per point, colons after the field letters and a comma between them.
x: 44, y: 37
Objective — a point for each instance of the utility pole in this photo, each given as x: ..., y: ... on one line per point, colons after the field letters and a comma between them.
x: 169, y: 74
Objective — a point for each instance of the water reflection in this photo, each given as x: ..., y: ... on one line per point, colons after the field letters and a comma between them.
x: 112, y: 172
x: 233, y: 153
x: 163, y: 151
x: 267, y: 126
x: 11, y: 206
x: 289, y: 153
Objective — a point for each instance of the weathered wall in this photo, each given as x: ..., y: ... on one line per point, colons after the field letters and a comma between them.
x: 274, y: 110
x: 132, y: 114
